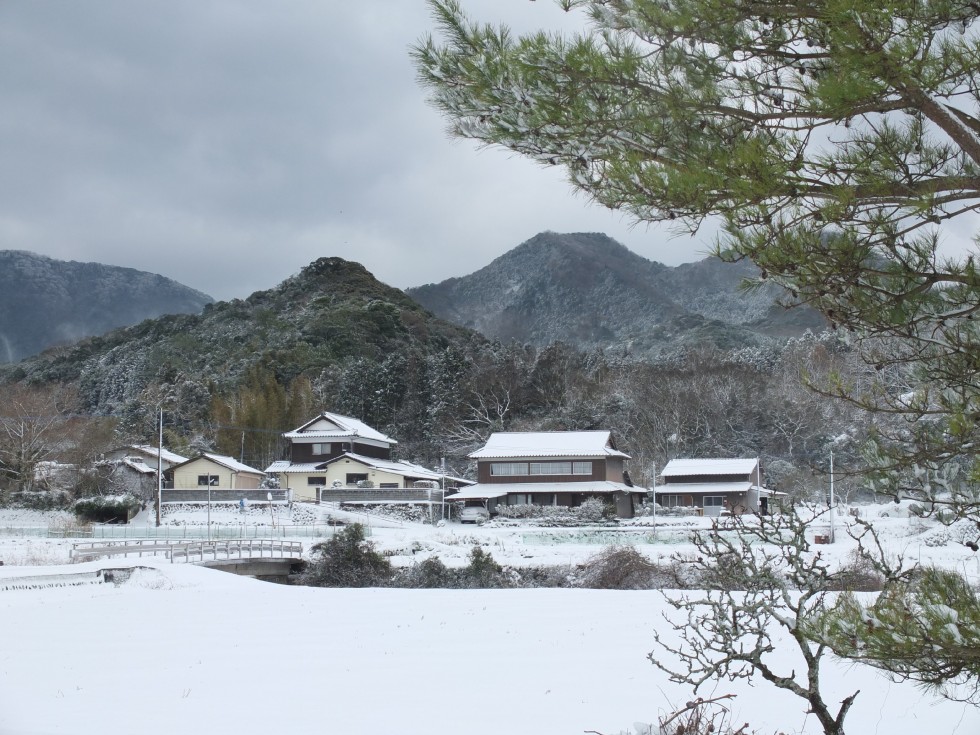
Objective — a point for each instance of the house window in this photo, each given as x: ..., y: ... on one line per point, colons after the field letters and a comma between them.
x: 551, y: 468
x: 670, y: 501
x: 389, y: 485
x: 354, y: 478
x: 205, y: 480
x: 581, y: 468
x: 714, y: 501
x: 317, y: 481
x: 508, y: 469
x: 319, y: 450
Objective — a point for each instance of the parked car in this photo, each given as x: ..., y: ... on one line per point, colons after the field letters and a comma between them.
x: 473, y: 514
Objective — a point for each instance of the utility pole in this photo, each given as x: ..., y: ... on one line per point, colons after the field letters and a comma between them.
x: 160, y: 470
x: 831, y: 495
x: 653, y: 482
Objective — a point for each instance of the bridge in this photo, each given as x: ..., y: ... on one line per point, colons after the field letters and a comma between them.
x: 271, y: 559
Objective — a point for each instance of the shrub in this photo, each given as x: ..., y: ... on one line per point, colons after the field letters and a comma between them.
x: 859, y: 575
x: 108, y: 508
x: 483, y: 572
x: 622, y: 568
x: 428, y: 574
x: 591, y: 511
x: 347, y: 560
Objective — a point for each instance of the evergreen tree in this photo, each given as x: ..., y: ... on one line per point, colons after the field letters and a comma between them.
x: 833, y: 141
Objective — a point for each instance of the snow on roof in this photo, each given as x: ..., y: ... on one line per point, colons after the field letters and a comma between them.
x: 229, y: 462
x: 328, y: 425
x: 395, y: 467
x: 548, y: 444
x: 166, y: 454
x: 707, y: 488
x: 497, y: 490
x: 137, y: 464
x: 682, y: 467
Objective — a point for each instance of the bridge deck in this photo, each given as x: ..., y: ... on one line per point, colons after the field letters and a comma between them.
x: 190, y: 551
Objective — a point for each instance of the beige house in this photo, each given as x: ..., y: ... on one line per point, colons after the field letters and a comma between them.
x: 354, y: 472
x: 216, y: 471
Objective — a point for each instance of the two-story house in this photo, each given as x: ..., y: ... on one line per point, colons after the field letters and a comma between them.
x: 332, y: 454
x: 714, y: 486
x: 551, y: 468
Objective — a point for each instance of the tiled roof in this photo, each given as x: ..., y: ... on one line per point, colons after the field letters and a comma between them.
x: 715, y: 466
x: 583, y: 444
x: 345, y: 427
x: 231, y: 463
x: 167, y: 455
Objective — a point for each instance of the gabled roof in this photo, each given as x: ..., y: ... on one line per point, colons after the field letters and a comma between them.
x: 585, y: 444
x: 392, y: 466
x: 228, y: 462
x: 151, y: 451
x: 702, y: 467
x: 332, y: 425
x: 138, y: 465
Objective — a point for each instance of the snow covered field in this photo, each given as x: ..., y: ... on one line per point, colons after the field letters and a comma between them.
x: 186, y: 649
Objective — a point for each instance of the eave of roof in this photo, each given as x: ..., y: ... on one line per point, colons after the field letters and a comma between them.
x: 497, y: 490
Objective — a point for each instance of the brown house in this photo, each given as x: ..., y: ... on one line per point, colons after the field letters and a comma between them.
x: 714, y: 486
x: 330, y: 435
x: 551, y: 468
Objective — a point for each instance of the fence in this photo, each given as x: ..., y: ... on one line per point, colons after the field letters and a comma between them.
x: 222, y: 495
x: 241, y: 531
x: 378, y: 495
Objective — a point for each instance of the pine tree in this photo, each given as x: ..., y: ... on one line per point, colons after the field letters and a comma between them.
x: 835, y: 142
x: 832, y: 141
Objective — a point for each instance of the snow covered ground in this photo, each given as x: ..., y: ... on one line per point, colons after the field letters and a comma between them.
x: 186, y: 649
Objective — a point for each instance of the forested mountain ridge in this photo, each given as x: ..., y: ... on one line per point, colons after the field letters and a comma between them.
x: 233, y: 378
x: 46, y: 302
x: 587, y: 290
x: 333, y: 312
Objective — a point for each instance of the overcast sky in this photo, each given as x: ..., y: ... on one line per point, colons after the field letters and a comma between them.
x: 228, y: 143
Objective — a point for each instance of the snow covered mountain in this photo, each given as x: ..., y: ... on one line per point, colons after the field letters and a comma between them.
x: 46, y: 302
x: 587, y: 290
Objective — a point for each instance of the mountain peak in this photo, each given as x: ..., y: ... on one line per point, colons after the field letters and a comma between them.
x: 45, y: 302
x: 589, y: 290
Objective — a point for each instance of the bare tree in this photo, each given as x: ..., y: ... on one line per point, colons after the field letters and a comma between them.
x: 32, y: 430
x: 759, y: 576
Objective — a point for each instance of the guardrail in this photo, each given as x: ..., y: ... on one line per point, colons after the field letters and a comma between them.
x: 378, y: 495
x: 187, y: 551
x: 222, y: 495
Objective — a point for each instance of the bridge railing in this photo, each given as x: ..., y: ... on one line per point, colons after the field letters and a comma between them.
x: 188, y: 551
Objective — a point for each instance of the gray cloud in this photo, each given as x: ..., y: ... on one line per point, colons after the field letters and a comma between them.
x: 227, y: 144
